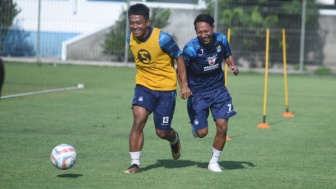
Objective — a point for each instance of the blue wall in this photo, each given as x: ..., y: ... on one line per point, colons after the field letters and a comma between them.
x: 23, y: 43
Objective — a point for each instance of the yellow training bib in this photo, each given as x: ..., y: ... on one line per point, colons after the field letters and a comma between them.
x: 155, y: 67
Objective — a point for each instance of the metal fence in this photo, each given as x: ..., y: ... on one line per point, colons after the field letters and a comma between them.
x: 78, y: 29
x: 249, y: 21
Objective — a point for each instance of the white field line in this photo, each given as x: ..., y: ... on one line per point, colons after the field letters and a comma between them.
x: 79, y: 86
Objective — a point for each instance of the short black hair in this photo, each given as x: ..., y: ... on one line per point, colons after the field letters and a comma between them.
x: 139, y: 9
x: 204, y: 18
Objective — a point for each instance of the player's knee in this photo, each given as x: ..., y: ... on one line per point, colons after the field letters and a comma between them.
x: 202, y: 133
x: 161, y: 133
x: 225, y: 128
x: 138, y: 126
x: 222, y: 131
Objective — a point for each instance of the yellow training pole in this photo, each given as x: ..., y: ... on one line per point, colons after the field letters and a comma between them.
x: 264, y: 124
x: 287, y: 114
x: 226, y: 68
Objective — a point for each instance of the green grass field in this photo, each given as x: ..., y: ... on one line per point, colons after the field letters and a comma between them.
x: 297, y: 152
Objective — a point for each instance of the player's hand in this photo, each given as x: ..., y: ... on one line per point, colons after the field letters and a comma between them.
x: 185, y: 92
x: 235, y: 70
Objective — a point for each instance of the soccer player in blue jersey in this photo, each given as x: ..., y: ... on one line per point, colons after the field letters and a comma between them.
x: 154, y: 52
x: 203, y: 56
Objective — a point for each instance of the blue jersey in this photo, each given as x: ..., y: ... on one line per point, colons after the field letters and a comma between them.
x: 204, y: 64
x: 166, y: 42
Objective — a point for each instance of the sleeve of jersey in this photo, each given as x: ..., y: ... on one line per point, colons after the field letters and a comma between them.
x: 168, y: 45
x: 188, y: 54
x: 128, y: 38
x: 226, y: 46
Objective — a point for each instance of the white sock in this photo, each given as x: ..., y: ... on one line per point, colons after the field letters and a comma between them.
x: 215, y: 156
x: 176, y: 139
x: 135, y: 156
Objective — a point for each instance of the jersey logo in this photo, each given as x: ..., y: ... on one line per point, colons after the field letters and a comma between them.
x: 219, y: 48
x: 212, y: 59
x: 144, y: 56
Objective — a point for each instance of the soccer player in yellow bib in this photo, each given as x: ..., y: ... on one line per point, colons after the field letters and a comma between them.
x: 156, y: 83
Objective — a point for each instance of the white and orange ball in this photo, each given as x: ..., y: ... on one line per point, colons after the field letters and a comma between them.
x: 63, y: 156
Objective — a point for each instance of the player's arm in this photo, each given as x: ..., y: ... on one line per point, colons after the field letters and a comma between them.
x: 169, y: 46
x: 182, y: 78
x: 229, y: 58
x: 232, y: 65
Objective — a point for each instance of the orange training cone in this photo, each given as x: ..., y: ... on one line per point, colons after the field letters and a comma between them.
x: 287, y: 114
x: 263, y: 125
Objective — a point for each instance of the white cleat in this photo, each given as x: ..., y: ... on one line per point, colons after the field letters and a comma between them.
x: 215, y: 167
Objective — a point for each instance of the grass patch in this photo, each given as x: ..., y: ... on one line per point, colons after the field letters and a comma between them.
x: 295, y: 152
x: 323, y: 71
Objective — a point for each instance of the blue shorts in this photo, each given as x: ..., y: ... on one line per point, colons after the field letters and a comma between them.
x: 219, y: 102
x: 162, y: 103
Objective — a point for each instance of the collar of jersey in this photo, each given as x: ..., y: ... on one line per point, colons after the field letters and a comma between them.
x: 147, y: 37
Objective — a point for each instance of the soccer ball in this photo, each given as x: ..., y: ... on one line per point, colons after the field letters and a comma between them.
x: 63, y: 156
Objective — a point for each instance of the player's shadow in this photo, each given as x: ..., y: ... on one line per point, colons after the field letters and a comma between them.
x: 173, y: 164
x: 69, y: 175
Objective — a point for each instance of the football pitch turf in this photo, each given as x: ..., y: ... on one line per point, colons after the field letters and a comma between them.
x: 298, y: 152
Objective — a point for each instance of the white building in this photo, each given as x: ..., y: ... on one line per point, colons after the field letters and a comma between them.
x: 65, y: 21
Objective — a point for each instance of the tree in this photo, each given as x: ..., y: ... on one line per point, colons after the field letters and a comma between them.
x: 249, y: 19
x: 115, y: 40
x: 8, y: 10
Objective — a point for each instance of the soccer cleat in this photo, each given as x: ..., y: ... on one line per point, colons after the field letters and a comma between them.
x: 193, y: 131
x: 134, y: 168
x: 176, y: 149
x: 214, y: 167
